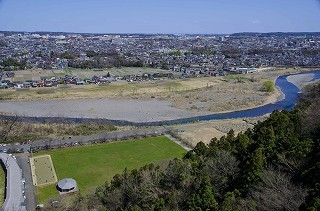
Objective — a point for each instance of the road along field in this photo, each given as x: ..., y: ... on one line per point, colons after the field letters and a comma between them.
x: 92, y: 165
x: 43, y: 172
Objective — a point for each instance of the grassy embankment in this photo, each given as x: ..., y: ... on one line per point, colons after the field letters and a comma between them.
x: 11, y: 131
x: 2, y: 185
x: 92, y: 165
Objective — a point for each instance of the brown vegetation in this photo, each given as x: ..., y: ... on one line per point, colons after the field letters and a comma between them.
x: 14, y: 131
x: 193, y: 133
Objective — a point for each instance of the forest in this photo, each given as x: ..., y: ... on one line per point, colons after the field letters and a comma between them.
x: 274, y: 166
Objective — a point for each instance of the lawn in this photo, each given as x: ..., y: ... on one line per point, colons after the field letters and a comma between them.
x: 92, y: 165
x: 2, y: 185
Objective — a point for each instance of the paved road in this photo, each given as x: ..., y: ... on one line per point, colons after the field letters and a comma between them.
x: 23, y: 162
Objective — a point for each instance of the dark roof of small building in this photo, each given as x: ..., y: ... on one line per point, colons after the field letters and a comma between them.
x: 67, y: 184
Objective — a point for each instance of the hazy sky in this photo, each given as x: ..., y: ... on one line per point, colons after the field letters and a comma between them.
x: 160, y: 16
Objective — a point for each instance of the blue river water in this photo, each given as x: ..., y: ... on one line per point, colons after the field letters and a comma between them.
x: 289, y: 90
x: 290, y: 96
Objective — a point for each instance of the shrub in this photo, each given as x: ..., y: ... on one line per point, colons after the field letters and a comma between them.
x: 268, y: 86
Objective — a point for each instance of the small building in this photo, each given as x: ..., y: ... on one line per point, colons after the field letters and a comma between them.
x: 67, y: 185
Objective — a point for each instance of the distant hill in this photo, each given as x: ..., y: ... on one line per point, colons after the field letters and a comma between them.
x: 240, y: 34
x: 277, y: 34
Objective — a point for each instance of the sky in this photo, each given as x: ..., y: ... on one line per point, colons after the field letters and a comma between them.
x: 160, y: 16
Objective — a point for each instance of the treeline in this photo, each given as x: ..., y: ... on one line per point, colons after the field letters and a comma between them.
x: 274, y: 166
x: 255, y: 51
x: 97, y: 60
x: 310, y: 52
x: 194, y: 51
x: 3, y: 44
x: 14, y: 64
x: 104, y: 63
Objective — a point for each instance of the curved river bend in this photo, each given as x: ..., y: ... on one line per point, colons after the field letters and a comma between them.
x: 290, y: 94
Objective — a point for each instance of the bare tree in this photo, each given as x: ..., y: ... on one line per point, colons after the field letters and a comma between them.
x: 222, y: 169
x: 7, y: 128
x: 277, y: 192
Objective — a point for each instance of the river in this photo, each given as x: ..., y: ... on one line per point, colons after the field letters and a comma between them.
x: 289, y: 97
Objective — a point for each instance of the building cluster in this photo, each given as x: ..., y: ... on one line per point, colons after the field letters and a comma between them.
x: 188, y: 54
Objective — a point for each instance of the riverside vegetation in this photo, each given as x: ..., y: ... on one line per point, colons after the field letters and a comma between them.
x: 15, y: 131
x: 274, y: 166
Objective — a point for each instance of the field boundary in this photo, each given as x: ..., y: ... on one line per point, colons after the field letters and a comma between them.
x: 33, y: 171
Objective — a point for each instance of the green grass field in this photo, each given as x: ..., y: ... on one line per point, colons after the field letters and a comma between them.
x: 92, y: 165
x: 2, y: 185
x: 43, y: 170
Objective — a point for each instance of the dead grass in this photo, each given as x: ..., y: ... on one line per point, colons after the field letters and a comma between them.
x: 205, y: 131
x: 21, y: 131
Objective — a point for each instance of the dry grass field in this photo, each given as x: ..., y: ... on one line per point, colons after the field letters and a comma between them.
x: 23, y: 75
x: 15, y: 131
x: 204, y: 131
x: 213, y: 94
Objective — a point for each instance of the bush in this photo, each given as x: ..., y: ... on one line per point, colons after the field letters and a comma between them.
x: 268, y: 86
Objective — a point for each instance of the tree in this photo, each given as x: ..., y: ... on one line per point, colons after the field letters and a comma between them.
x: 242, y: 143
x: 265, y: 137
x: 312, y: 202
x: 252, y: 170
x: 201, y: 149
x: 175, y: 53
x: 234, y: 202
x: 8, y: 128
x: 203, y: 198
x: 222, y: 169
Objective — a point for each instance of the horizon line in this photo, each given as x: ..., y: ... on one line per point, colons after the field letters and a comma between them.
x: 150, y: 33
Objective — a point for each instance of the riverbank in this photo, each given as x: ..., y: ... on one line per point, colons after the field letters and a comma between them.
x: 300, y: 80
x: 128, y: 110
x: 132, y: 110
x: 206, y: 94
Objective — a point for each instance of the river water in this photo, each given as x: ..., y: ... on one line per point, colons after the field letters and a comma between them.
x: 290, y: 94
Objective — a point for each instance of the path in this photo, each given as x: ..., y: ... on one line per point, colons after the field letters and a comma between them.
x: 184, y: 146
